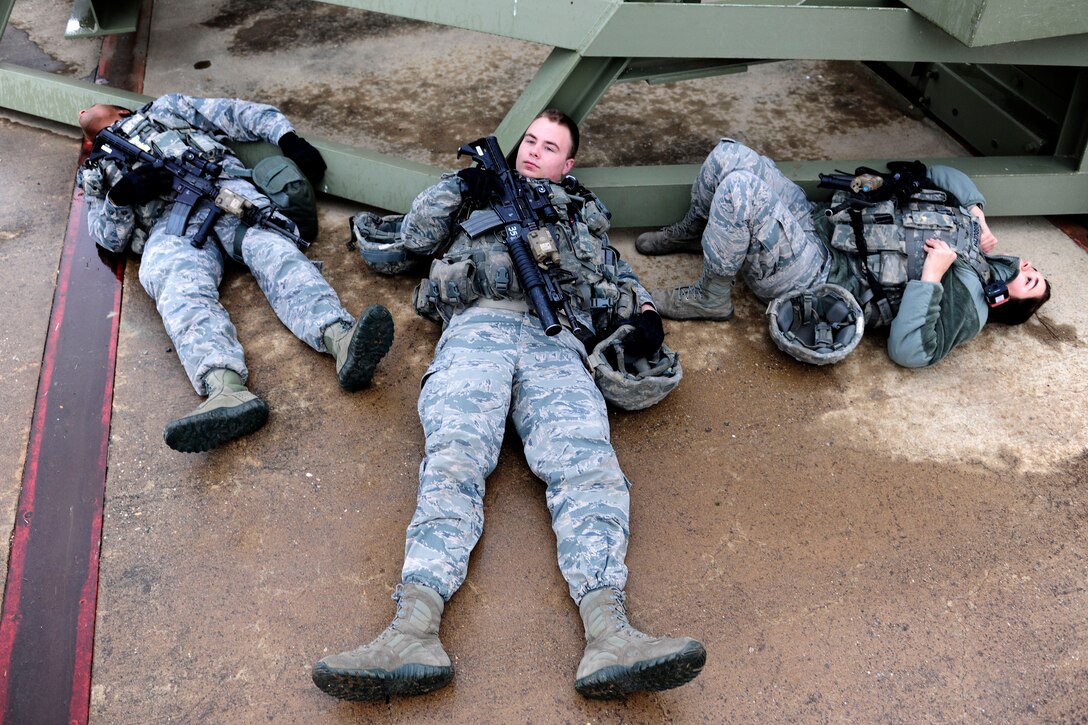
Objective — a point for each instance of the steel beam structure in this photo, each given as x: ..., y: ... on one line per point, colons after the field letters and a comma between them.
x: 600, y: 42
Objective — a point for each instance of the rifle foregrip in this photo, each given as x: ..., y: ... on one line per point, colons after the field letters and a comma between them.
x: 533, y: 284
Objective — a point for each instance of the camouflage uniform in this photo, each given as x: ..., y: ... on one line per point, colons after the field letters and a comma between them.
x: 758, y: 223
x: 494, y: 360
x: 183, y: 280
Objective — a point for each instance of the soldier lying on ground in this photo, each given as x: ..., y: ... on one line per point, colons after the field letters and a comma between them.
x: 495, y: 359
x: 137, y: 206
x: 937, y: 281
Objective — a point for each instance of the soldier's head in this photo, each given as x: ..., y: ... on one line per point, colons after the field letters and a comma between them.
x: 100, y: 116
x: 1028, y: 291
x: 548, y: 147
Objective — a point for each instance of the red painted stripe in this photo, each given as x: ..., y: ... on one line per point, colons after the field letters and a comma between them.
x: 47, y: 621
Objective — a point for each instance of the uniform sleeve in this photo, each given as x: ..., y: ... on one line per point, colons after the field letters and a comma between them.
x: 934, y: 319
x: 912, y: 339
x: 110, y: 226
x: 627, y: 275
x: 237, y: 119
x: 429, y: 222
x: 958, y: 184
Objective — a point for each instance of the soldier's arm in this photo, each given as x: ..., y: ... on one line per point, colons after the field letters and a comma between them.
x: 958, y: 184
x: 923, y: 333
x: 237, y: 119
x: 111, y: 226
x: 430, y: 221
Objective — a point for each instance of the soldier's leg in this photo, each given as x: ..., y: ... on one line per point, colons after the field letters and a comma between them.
x: 184, y: 282
x: 751, y: 230
x: 562, y: 420
x: 463, y: 406
x: 307, y: 304
x: 724, y: 159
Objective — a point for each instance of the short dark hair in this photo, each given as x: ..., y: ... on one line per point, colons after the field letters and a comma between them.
x: 556, y: 116
x: 1015, y: 312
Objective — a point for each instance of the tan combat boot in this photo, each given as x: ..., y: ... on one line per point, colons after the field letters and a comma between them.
x: 406, y: 659
x: 359, y: 348
x: 711, y: 298
x: 684, y: 236
x: 229, y: 412
x: 619, y: 659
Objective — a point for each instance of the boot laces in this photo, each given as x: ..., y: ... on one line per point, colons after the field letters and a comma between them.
x: 680, y: 230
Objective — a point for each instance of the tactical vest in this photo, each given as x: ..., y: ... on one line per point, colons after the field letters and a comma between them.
x: 481, y: 268
x: 277, y: 177
x: 895, y: 236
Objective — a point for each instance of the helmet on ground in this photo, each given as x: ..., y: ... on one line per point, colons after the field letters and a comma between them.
x: 633, y: 383
x: 820, y: 326
x: 375, y: 237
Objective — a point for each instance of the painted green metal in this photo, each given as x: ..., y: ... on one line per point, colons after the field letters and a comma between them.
x: 538, y: 95
x: 752, y: 30
x: 5, y: 13
x: 105, y: 17
x: 54, y: 97
x: 598, y: 42
x: 559, y: 23
x: 986, y: 22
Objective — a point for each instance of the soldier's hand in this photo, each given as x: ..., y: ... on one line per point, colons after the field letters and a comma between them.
x: 479, y: 184
x: 141, y: 185
x: 939, y: 257
x: 303, y: 153
x: 648, y: 335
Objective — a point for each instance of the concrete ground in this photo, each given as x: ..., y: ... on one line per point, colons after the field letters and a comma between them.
x: 861, y: 543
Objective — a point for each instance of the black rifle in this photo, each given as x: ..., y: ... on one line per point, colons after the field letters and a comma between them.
x: 522, y: 207
x: 195, y: 181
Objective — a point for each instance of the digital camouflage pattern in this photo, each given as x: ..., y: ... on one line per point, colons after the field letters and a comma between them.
x: 183, y: 280
x: 493, y: 360
x: 759, y: 223
x: 489, y: 363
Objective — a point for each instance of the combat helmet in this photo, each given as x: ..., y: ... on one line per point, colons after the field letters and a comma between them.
x: 376, y: 238
x: 821, y: 325
x: 629, y: 382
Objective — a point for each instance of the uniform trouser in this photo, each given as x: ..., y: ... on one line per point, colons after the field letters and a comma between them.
x: 759, y: 223
x: 488, y: 364
x: 184, y: 282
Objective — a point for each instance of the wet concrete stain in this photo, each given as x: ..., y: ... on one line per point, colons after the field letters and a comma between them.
x: 16, y: 47
x: 266, y: 27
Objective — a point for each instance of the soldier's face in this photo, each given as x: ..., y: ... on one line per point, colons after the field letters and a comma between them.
x: 97, y: 117
x: 544, y: 152
x: 1028, y: 283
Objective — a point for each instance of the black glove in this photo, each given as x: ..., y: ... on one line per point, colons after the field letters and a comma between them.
x: 141, y: 185
x: 303, y: 153
x: 479, y: 183
x: 648, y: 334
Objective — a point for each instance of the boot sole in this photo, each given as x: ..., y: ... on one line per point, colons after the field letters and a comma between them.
x: 378, y: 684
x: 694, y: 246
x: 203, y: 432
x: 662, y: 673
x: 371, y: 341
